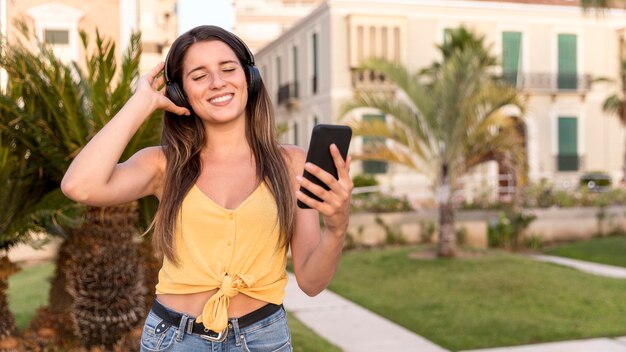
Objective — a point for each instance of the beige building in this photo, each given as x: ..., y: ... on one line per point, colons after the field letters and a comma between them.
x: 158, y: 23
x: 259, y: 22
x: 59, y: 22
x: 550, y: 49
x: 3, y: 31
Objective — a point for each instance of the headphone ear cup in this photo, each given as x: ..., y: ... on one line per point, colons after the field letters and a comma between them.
x: 254, y: 84
x: 176, y: 95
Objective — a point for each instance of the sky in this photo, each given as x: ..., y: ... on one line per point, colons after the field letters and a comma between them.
x: 192, y: 13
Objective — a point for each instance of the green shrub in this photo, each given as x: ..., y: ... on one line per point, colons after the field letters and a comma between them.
x: 506, y: 231
x: 379, y: 203
x: 364, y: 180
x: 427, y: 231
x: 461, y: 236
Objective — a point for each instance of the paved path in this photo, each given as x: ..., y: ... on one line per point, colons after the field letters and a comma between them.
x: 591, y: 345
x: 593, y: 268
x: 349, y: 326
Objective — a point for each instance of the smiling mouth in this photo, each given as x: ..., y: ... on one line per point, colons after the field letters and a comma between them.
x: 221, y: 99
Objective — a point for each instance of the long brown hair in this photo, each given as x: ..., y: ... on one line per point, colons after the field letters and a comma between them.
x: 183, y: 137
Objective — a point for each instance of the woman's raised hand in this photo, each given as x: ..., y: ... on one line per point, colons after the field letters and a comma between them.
x: 335, y: 207
x: 151, y: 86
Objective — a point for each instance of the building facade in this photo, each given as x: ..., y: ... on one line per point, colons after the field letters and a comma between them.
x: 550, y: 50
x: 58, y: 23
x: 259, y: 22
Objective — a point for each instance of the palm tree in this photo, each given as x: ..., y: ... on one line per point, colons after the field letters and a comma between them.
x: 51, y: 109
x: 28, y: 204
x: 597, y: 4
x: 445, y: 121
x: 616, y: 103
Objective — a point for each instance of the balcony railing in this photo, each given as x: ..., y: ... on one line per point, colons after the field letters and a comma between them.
x: 287, y: 92
x: 549, y: 82
x: 370, y: 80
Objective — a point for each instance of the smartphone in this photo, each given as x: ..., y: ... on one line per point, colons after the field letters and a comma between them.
x: 319, y: 153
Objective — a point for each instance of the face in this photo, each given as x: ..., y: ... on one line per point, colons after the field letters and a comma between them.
x: 214, y: 82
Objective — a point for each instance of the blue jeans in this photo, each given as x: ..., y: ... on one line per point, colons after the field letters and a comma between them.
x: 267, y: 335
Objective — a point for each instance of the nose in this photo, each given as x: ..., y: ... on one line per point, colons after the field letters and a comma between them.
x: 217, y: 81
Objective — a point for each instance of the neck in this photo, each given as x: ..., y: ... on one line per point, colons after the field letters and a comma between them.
x: 226, y: 139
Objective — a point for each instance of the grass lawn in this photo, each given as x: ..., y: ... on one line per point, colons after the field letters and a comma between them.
x: 605, y: 250
x: 497, y: 299
x: 28, y: 290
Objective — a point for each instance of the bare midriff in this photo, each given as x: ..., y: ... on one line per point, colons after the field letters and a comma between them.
x: 193, y: 303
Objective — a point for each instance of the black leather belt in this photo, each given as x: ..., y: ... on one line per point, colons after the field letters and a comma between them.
x: 173, y: 319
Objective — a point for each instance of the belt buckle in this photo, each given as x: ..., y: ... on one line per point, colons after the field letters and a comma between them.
x: 221, y: 336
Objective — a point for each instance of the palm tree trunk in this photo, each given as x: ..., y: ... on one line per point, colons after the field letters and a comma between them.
x: 447, y: 239
x: 7, y: 321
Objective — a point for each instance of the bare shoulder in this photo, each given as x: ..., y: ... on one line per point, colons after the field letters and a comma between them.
x: 152, y: 160
x: 295, y: 157
x: 152, y: 156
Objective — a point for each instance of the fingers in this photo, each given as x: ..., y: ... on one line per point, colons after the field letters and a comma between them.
x: 156, y: 70
x: 340, y: 164
x: 332, y: 200
x: 178, y: 110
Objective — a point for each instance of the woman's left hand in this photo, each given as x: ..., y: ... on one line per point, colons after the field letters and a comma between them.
x: 335, y: 207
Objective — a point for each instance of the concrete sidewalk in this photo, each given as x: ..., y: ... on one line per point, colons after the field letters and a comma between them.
x: 588, y: 267
x: 591, y: 345
x: 349, y: 326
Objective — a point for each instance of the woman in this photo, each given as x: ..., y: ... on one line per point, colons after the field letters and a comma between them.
x: 227, y: 193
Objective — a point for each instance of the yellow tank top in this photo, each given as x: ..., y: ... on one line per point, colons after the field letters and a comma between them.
x: 234, y: 251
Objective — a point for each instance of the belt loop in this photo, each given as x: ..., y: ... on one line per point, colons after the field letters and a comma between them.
x: 182, y: 328
x: 234, y: 325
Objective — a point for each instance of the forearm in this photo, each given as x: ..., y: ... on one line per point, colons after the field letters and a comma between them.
x: 93, y: 166
x: 319, y: 268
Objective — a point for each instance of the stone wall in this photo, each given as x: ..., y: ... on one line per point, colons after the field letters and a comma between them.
x: 551, y: 225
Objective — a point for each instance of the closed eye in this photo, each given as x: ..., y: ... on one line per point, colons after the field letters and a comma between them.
x: 198, y: 78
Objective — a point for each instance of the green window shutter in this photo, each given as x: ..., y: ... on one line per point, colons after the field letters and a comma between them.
x: 567, y: 76
x: 568, y: 144
x: 511, y: 50
x: 447, y: 32
x: 374, y: 166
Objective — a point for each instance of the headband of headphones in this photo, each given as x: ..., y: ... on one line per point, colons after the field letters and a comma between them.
x: 227, y: 37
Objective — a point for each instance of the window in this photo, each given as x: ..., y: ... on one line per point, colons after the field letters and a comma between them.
x: 56, y: 37
x: 373, y: 42
x: 279, y: 80
x: 396, y: 44
x: 384, y: 44
x: 360, y: 51
x: 567, y: 159
x: 567, y: 76
x: 373, y: 166
x: 294, y: 93
x: 314, y: 80
x: 295, y: 133
x: 511, y: 59
x: 447, y: 37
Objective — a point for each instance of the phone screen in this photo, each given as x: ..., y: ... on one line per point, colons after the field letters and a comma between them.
x: 319, y: 153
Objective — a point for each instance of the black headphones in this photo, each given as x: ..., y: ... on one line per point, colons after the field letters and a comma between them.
x: 253, y: 76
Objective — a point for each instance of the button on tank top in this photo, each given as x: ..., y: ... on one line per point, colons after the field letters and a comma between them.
x: 234, y: 251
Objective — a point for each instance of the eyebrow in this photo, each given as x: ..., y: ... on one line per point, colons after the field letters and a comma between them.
x: 202, y: 67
